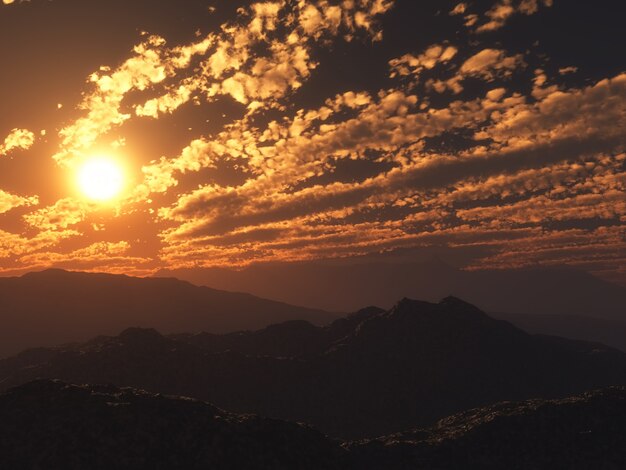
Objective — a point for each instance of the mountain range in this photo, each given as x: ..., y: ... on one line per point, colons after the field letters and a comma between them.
x: 56, y: 306
x: 53, y: 307
x: 348, y: 287
x: 372, y: 373
x: 597, y: 330
x: 51, y: 424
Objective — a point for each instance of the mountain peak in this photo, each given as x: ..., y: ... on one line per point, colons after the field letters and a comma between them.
x: 50, y: 272
x: 136, y: 334
x: 366, y: 313
x: 446, y: 305
x: 455, y: 302
x: 451, y: 317
x: 412, y: 304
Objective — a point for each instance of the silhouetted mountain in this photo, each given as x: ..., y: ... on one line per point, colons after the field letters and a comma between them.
x: 597, y: 330
x: 587, y: 432
x: 55, y: 306
x: 373, y: 373
x: 289, y: 339
x: 348, y: 287
x: 50, y: 424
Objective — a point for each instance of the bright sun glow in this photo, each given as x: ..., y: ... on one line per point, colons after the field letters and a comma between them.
x: 101, y: 178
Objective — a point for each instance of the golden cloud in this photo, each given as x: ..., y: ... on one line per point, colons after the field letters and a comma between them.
x: 21, y: 139
x: 11, y: 201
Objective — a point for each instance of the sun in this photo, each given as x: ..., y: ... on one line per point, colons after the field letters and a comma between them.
x: 101, y: 178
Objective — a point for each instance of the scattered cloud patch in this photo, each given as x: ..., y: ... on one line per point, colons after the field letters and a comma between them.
x: 11, y: 201
x: 18, y: 139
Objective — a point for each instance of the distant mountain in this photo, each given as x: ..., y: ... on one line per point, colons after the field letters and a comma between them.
x: 54, y: 306
x: 50, y: 424
x: 597, y: 330
x: 372, y: 373
x: 335, y: 287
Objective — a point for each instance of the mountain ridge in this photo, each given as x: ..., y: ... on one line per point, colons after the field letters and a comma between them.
x: 347, y: 287
x: 57, y: 306
x: 434, y: 359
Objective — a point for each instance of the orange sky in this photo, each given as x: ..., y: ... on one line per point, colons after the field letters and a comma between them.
x: 290, y: 131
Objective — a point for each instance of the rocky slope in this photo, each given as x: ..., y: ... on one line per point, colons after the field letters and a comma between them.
x: 586, y: 432
x: 50, y: 424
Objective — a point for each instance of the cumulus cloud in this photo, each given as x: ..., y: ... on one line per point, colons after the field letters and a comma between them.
x: 11, y: 201
x: 112, y: 256
x: 488, y: 62
x: 150, y: 65
x: 14, y: 245
x: 229, y: 66
x: 352, y: 172
x: 274, y: 219
x: 459, y: 9
x: 487, y: 65
x: 18, y: 139
x: 502, y: 11
x: 410, y: 64
x: 59, y: 216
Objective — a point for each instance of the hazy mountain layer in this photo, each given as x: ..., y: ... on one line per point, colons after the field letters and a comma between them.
x: 597, y: 330
x: 347, y: 287
x: 373, y: 373
x: 54, y: 306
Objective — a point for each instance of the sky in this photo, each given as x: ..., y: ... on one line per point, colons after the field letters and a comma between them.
x: 491, y: 132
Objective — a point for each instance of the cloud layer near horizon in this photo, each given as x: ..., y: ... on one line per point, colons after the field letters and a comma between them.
x: 464, y: 144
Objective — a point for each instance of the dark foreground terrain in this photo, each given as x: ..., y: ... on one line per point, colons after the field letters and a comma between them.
x: 586, y: 432
x: 373, y: 373
x: 52, y: 425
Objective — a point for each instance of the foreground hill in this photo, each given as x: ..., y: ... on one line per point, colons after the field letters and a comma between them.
x: 55, y: 306
x: 373, y: 373
x: 587, y: 432
x: 50, y: 424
